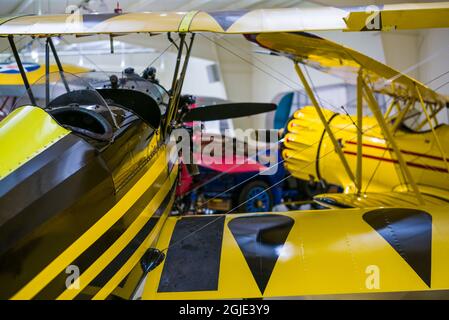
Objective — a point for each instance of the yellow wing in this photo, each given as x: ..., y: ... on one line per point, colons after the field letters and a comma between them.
x: 333, y: 252
x: 409, y: 16
x: 336, y: 59
x: 10, y: 75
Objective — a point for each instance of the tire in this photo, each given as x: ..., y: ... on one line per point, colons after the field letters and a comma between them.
x: 255, y: 197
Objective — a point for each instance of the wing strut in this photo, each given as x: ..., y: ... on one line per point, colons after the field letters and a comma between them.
x: 58, y: 63
x: 21, y: 69
x: 358, y: 173
x: 374, y: 106
x: 401, y: 114
x: 47, y: 73
x: 429, y: 120
x: 173, y: 98
x: 178, y: 80
x: 324, y: 121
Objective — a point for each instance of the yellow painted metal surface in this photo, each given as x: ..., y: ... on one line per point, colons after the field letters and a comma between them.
x: 306, y: 142
x: 25, y: 133
x: 400, y: 17
x: 88, y: 275
x: 326, y: 252
x: 432, y: 127
x: 394, y: 199
x: 6, y: 19
x: 157, y: 167
x: 414, y: 16
x: 134, y: 260
x: 391, y: 142
x: 15, y: 79
x: 186, y: 21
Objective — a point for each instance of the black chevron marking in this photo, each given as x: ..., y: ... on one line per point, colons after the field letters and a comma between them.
x: 227, y: 18
x: 260, y: 238
x: 192, y: 262
x: 409, y: 232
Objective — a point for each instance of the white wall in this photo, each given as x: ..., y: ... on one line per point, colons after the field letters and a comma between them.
x: 421, y: 54
x: 434, y: 45
x: 434, y: 49
x: 196, y: 82
x: 401, y: 51
x: 237, y: 74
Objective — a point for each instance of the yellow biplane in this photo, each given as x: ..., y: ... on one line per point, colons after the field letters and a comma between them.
x: 85, y: 201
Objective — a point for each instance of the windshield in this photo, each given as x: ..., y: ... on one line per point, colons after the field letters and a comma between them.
x: 73, y: 103
x: 59, y: 85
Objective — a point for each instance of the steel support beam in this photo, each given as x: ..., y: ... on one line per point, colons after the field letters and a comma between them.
x: 431, y: 116
x: 389, y: 109
x: 358, y: 174
x: 21, y: 69
x: 429, y: 120
x: 374, y: 106
x: 47, y: 73
x: 401, y: 115
x: 174, y: 85
x: 178, y: 81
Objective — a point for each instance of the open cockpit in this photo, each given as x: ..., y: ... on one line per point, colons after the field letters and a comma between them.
x: 99, y: 107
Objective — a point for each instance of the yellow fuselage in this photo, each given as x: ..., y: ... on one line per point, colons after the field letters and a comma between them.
x: 309, y: 153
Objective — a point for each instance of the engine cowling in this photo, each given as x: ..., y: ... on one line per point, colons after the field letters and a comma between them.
x: 309, y: 153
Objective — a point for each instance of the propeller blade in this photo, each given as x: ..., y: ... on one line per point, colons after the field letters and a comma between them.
x: 227, y: 111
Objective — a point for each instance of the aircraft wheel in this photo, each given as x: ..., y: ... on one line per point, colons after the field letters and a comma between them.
x: 256, y: 197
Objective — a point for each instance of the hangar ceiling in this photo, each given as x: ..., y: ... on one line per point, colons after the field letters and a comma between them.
x: 59, y: 6
x: 366, y: 2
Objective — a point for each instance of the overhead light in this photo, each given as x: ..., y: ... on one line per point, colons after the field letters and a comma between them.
x: 35, y: 55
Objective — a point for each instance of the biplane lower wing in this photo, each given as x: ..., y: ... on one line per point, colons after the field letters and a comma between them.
x: 335, y: 252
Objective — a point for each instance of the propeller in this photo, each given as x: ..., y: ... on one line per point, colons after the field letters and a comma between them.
x: 227, y: 111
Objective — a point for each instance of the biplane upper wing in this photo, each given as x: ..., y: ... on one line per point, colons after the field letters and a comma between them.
x: 403, y: 16
x: 304, y: 253
x: 336, y: 59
